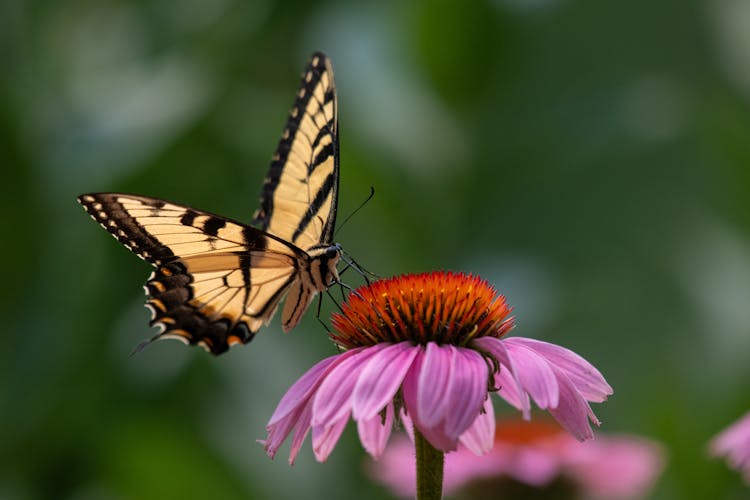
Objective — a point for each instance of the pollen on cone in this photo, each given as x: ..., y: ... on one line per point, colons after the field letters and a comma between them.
x: 442, y: 307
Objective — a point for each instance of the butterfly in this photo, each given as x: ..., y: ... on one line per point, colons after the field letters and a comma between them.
x: 218, y: 281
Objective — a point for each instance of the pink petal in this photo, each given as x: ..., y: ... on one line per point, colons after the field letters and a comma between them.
x: 397, y: 467
x: 530, y: 362
x: 507, y: 378
x: 535, y: 375
x: 615, y: 466
x: 437, y: 437
x: 480, y: 436
x: 587, y: 379
x: 275, y: 438
x: 374, y: 432
x: 510, y: 391
x: 467, y: 392
x: 303, y: 387
x: 410, y: 389
x: 295, y: 408
x: 407, y: 424
x: 461, y: 467
x: 324, y: 438
x: 299, y: 421
x: 573, y: 412
x: 734, y: 443
x: 435, y: 382
x: 300, y: 432
x: 531, y: 465
x: 277, y: 433
x: 332, y: 399
x: 381, y: 378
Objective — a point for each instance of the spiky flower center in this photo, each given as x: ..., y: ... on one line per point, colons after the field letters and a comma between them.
x: 442, y: 307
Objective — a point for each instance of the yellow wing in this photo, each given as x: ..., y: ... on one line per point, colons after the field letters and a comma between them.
x: 300, y: 193
x: 217, y: 281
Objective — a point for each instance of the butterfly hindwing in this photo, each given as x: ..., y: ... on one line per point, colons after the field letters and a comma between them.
x: 299, y: 197
x: 217, y: 281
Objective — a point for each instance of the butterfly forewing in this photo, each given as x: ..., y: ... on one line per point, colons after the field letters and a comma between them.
x: 299, y: 197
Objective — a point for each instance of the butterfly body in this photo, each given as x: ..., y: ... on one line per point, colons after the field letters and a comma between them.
x: 218, y: 281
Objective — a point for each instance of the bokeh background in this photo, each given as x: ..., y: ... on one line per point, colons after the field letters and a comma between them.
x: 589, y: 158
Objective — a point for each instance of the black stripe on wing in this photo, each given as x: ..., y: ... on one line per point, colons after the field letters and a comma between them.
x: 314, y: 208
x: 116, y: 219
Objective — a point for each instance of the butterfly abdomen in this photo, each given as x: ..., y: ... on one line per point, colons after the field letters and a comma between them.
x: 316, y: 276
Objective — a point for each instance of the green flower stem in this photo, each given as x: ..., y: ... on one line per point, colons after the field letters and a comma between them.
x: 429, y: 469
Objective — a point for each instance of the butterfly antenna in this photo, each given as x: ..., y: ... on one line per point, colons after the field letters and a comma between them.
x: 369, y: 197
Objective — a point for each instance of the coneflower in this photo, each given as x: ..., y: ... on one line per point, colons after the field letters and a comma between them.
x: 429, y: 348
x: 537, y: 457
x: 734, y: 444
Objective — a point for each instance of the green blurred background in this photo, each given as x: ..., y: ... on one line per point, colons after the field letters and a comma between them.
x: 589, y: 158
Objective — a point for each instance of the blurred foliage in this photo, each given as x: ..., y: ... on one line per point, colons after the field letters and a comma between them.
x: 591, y: 159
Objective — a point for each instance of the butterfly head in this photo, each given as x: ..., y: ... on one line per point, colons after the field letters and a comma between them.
x: 333, y: 252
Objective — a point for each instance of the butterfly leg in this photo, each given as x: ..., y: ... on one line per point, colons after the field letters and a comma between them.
x: 350, y: 262
x: 317, y: 314
x: 351, y: 290
x: 341, y: 287
x: 345, y: 268
x: 338, y: 306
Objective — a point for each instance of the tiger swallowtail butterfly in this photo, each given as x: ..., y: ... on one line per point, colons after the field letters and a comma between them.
x: 217, y: 281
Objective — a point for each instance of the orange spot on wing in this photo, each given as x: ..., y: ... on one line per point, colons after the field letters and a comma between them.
x: 158, y: 304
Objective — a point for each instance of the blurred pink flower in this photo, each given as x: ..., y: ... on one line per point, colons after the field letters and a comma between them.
x: 536, y: 454
x: 734, y: 443
x: 429, y: 347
